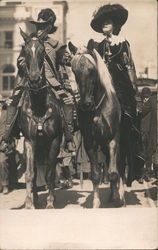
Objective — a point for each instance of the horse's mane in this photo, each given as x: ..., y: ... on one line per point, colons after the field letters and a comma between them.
x: 104, y: 75
x: 102, y: 70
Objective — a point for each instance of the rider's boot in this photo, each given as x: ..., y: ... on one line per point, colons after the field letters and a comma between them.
x: 12, y: 110
x: 5, y: 190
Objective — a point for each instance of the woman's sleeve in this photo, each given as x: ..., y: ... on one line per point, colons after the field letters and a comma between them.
x: 129, y: 64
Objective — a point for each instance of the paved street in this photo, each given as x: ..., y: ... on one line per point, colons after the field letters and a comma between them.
x: 139, y: 195
x: 69, y: 226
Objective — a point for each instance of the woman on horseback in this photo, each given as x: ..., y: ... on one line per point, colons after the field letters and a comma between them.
x: 115, y: 51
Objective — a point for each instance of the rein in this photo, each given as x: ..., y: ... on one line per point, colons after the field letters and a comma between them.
x: 101, y: 101
x: 28, y: 77
x: 36, y: 90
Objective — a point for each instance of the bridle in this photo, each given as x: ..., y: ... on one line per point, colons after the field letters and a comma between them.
x: 92, y: 60
x: 27, y: 76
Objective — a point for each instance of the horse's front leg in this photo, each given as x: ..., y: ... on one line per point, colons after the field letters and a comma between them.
x: 35, y: 193
x: 117, y: 190
x: 51, y: 171
x: 29, y: 175
x: 95, y: 172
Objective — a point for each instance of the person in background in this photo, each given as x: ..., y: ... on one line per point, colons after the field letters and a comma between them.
x: 8, y: 169
x: 65, y: 168
x: 148, y: 129
x: 155, y: 163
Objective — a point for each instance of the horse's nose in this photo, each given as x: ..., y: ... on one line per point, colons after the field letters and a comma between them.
x: 86, y: 105
x: 35, y: 77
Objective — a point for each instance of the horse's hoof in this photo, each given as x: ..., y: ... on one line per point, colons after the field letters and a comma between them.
x: 96, y: 204
x: 50, y: 206
x: 29, y: 206
x: 5, y: 190
x: 29, y: 203
x: 36, y: 205
x: 124, y: 203
x: 118, y: 202
x: 115, y: 199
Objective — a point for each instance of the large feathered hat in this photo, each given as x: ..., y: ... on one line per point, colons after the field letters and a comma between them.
x: 45, y: 17
x: 116, y: 12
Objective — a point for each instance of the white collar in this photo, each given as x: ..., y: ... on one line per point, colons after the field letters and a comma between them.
x: 115, y: 40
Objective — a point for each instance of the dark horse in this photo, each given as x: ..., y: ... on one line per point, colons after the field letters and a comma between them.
x: 99, y: 118
x: 40, y: 121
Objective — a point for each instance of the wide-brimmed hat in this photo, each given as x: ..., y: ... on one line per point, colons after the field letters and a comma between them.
x: 45, y: 17
x: 116, y: 12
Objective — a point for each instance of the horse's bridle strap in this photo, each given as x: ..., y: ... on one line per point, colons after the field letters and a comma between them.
x: 101, y: 100
x: 36, y: 90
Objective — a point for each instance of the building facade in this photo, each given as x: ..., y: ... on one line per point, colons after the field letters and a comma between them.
x: 16, y: 15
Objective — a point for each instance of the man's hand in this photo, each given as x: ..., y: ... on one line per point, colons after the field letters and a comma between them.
x: 67, y: 58
x: 21, y: 62
x: 139, y: 104
x: 69, y: 99
x: 3, y: 146
x: 9, y: 101
x: 67, y: 85
x: 139, y: 107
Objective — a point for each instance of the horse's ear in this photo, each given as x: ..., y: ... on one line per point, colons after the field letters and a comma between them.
x: 91, y: 45
x: 43, y: 36
x: 24, y: 35
x: 72, y: 48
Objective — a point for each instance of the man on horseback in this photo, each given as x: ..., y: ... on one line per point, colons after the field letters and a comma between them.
x: 56, y: 60
x: 115, y: 51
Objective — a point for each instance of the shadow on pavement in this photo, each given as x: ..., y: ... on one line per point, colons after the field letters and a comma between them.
x: 152, y: 193
x: 84, y: 199
x: 20, y: 207
x: 104, y: 194
x: 62, y: 198
x: 131, y: 198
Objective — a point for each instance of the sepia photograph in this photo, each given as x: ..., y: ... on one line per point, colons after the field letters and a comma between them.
x: 78, y: 124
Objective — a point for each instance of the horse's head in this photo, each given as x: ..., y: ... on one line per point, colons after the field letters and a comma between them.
x: 92, y: 76
x: 34, y: 58
x: 84, y: 69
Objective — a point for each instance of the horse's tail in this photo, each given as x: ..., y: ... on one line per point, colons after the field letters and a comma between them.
x: 104, y: 75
